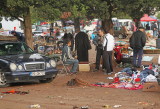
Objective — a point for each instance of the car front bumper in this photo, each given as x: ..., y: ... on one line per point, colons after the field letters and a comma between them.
x: 26, y: 76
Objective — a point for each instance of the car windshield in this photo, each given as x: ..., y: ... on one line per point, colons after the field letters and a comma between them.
x: 14, y: 49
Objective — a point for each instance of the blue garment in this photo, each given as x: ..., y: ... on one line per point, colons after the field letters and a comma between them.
x: 137, y: 54
x: 19, y: 35
x: 74, y: 63
x: 128, y: 70
x: 93, y: 36
x: 68, y: 59
x: 144, y: 73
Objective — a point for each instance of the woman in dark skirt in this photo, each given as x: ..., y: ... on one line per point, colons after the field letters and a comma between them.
x: 82, y: 45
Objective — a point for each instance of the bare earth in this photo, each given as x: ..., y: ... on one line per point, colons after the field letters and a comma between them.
x: 57, y: 95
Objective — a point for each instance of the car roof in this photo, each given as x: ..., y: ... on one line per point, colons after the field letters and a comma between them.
x: 2, y: 42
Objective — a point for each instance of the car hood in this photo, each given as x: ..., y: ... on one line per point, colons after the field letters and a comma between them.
x: 23, y: 58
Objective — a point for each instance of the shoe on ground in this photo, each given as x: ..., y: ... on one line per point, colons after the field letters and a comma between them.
x: 109, y: 73
x: 103, y: 70
x: 73, y: 73
x: 95, y: 70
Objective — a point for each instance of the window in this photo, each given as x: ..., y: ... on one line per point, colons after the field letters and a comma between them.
x: 14, y: 49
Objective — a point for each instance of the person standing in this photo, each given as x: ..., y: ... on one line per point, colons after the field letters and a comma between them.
x: 51, y: 31
x: 133, y: 27
x: 147, y: 26
x: 154, y: 29
x: 82, y: 45
x: 137, y: 42
x: 97, y: 41
x: 108, y: 46
x: 93, y: 35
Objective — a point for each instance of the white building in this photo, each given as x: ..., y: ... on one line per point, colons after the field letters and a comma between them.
x: 11, y: 25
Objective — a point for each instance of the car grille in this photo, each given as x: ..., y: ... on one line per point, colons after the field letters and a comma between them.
x: 34, y: 66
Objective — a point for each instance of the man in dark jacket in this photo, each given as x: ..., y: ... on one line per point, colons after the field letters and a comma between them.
x: 19, y: 36
x: 137, y: 42
x: 98, y: 41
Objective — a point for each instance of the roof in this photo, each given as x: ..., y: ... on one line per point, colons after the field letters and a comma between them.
x: 146, y: 18
x: 8, y: 38
x: 3, y: 42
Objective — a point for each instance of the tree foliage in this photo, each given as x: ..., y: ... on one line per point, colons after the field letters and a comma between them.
x: 106, y: 9
x: 52, y: 9
x: 158, y: 15
x: 20, y: 10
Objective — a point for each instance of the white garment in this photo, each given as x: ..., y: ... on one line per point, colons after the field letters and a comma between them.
x: 109, y: 40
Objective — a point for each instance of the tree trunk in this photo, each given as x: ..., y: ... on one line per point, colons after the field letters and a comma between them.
x: 28, y: 29
x: 107, y: 25
x: 76, y: 24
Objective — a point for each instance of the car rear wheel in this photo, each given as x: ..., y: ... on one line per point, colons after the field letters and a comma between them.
x: 3, y: 81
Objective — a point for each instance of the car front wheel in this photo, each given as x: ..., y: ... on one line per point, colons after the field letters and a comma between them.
x: 3, y: 81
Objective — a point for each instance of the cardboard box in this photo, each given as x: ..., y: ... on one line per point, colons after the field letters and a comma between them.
x: 151, y: 87
x: 84, y: 66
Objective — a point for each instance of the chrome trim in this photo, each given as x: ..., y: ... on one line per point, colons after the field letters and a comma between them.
x: 34, y: 63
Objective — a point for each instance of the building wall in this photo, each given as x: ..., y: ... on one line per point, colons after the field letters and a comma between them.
x: 11, y: 25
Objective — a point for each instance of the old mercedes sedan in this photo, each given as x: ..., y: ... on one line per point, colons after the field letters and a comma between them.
x: 19, y: 63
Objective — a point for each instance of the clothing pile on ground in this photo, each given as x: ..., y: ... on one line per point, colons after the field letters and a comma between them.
x: 132, y: 79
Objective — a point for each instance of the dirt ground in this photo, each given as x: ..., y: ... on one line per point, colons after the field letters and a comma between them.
x: 57, y: 95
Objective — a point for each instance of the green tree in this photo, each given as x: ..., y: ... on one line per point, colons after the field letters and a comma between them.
x: 20, y: 10
x: 103, y: 9
x: 77, y: 8
x: 106, y: 9
x: 137, y: 8
x: 48, y: 12
x: 158, y: 16
x: 78, y: 11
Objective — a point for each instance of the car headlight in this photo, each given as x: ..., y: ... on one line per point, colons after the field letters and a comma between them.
x: 13, y: 66
x: 20, y: 67
x: 48, y: 65
x: 53, y: 63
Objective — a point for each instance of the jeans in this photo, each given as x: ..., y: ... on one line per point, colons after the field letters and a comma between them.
x: 107, y: 59
x: 74, y: 63
x: 139, y: 54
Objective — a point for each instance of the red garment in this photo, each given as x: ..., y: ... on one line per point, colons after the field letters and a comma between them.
x: 118, y: 54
